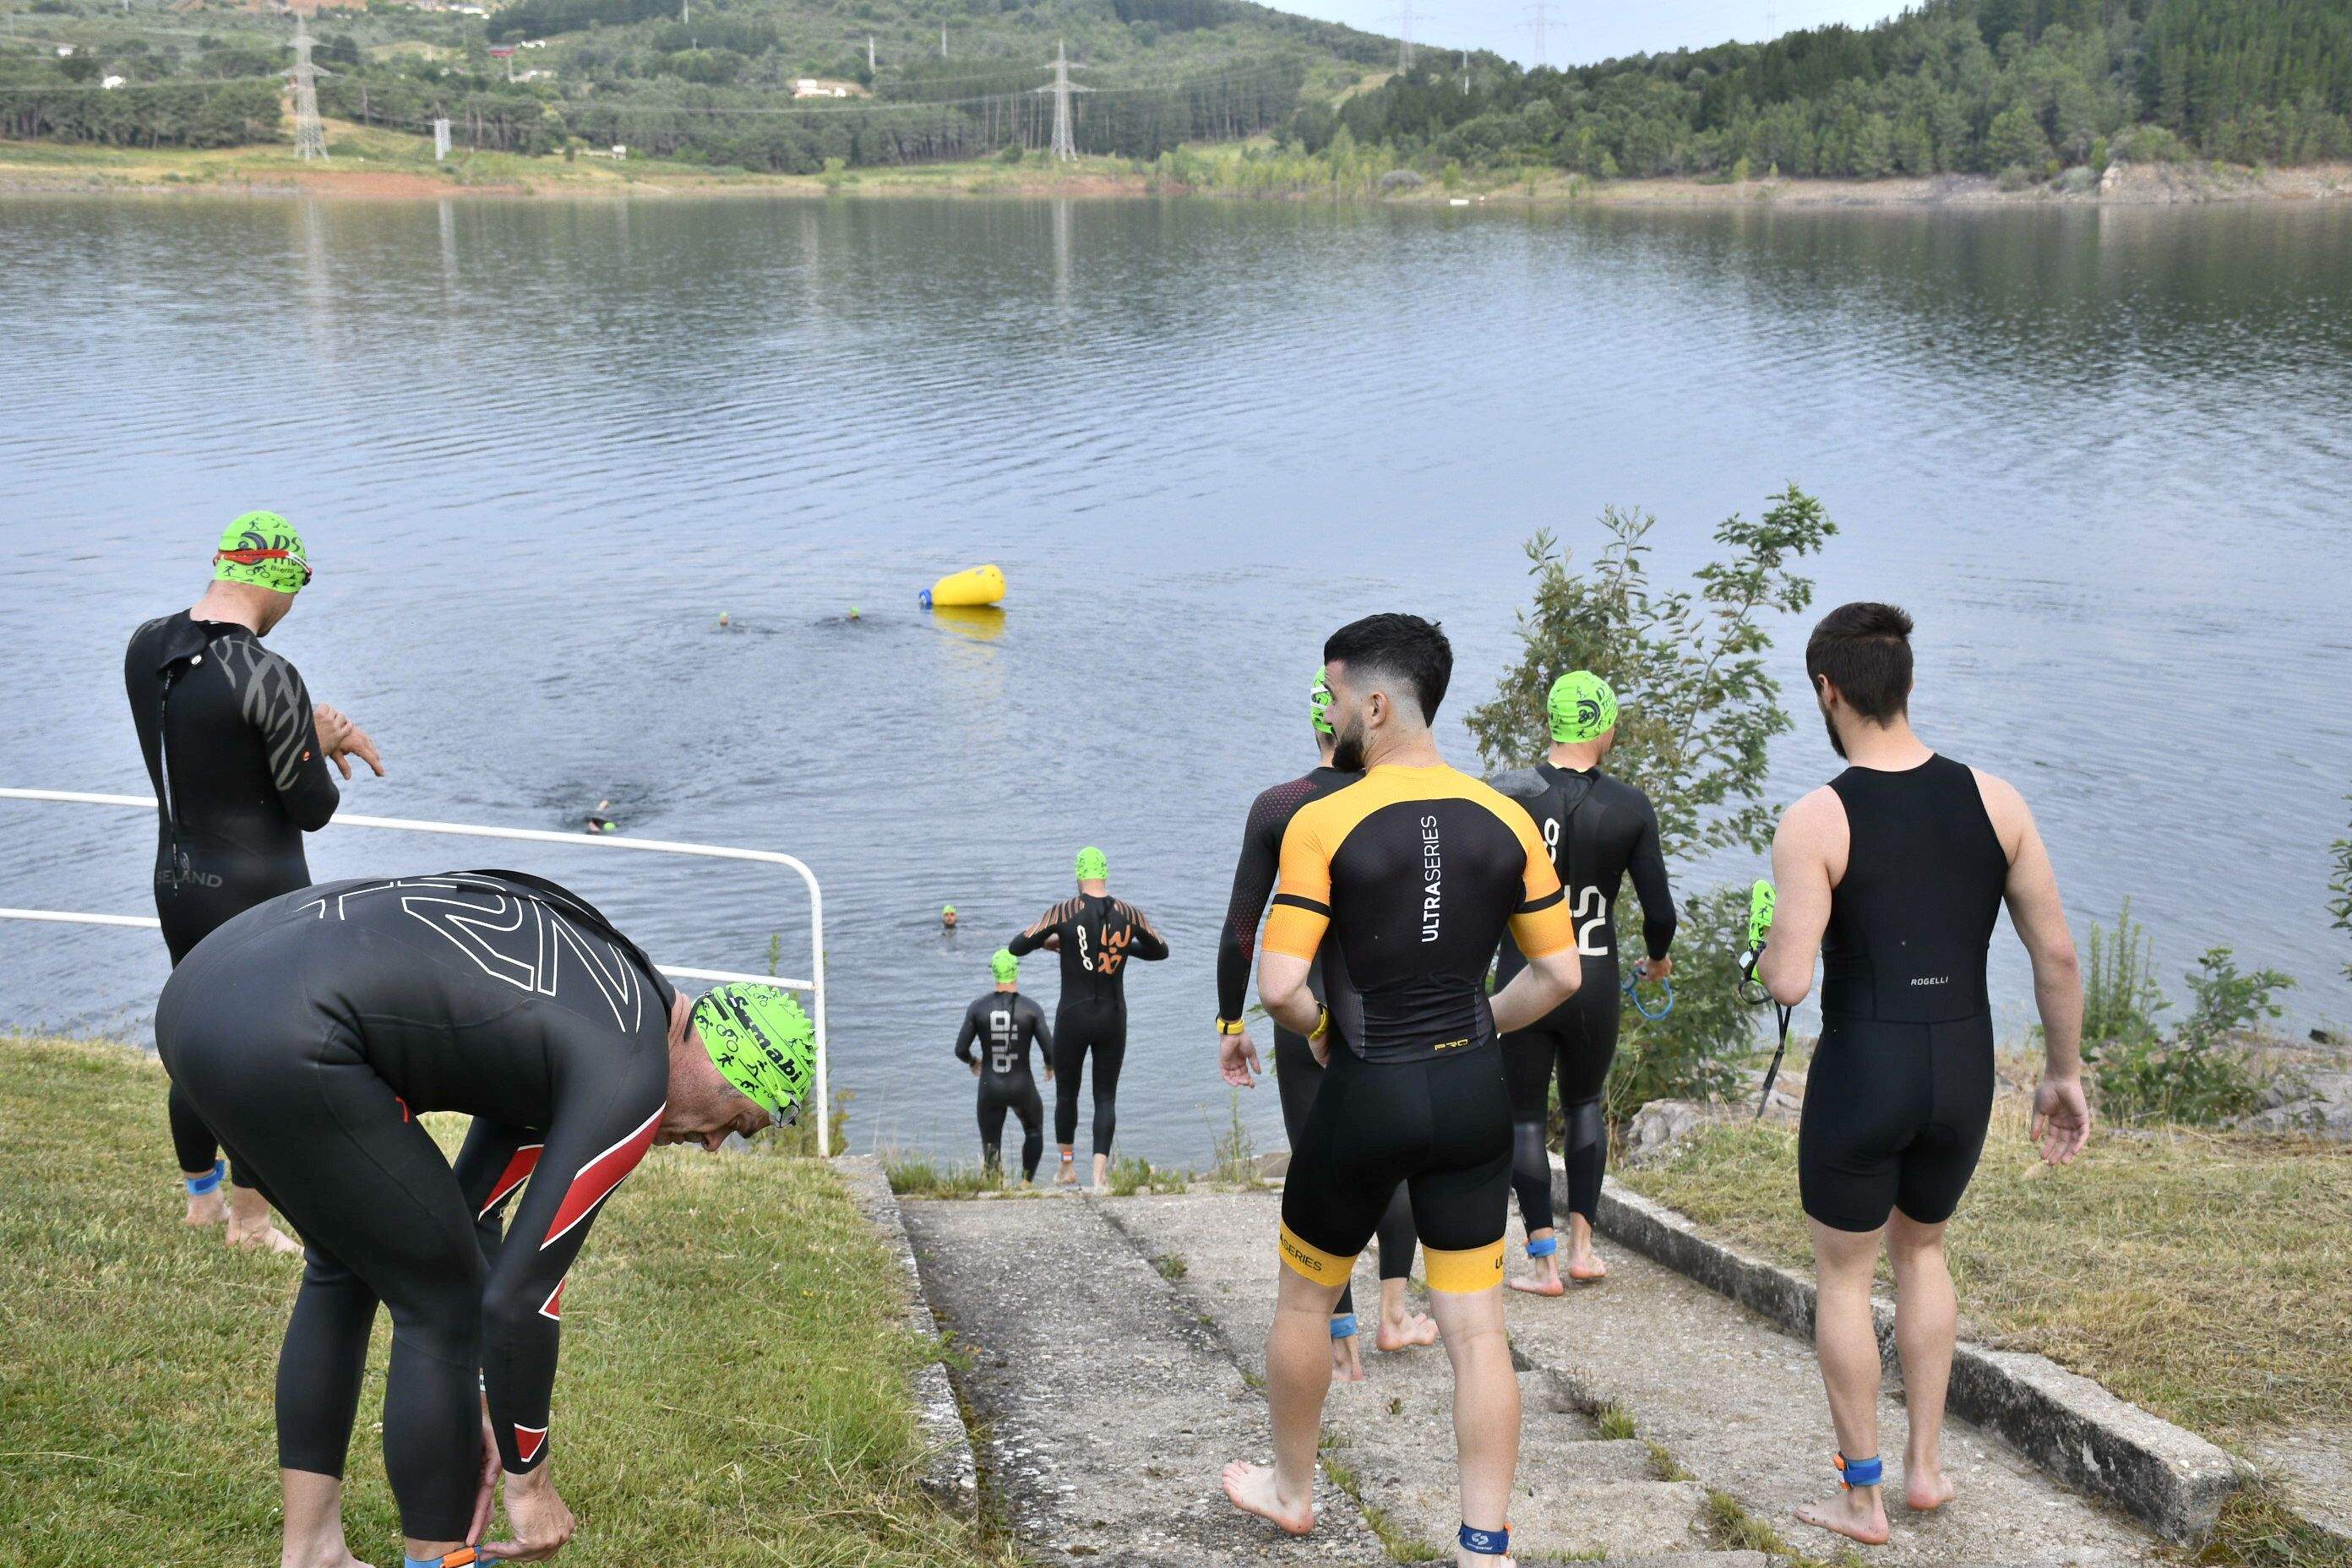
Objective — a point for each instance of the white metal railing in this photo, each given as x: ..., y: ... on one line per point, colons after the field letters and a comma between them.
x: 813, y: 985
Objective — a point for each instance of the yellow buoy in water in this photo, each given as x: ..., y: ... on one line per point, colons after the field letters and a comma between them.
x: 979, y: 585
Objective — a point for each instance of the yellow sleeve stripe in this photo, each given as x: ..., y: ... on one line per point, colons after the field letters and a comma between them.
x: 1330, y: 1267
x: 1459, y: 1273
x: 1544, y: 932
x: 1293, y: 930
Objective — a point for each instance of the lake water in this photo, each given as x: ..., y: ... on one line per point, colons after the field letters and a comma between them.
x: 539, y: 446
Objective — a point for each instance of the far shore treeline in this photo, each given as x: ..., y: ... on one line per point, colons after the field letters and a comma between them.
x: 2026, y: 89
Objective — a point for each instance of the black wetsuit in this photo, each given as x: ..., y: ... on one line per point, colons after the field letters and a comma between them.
x: 1412, y: 873
x: 1597, y: 829
x: 1007, y: 1022
x: 238, y: 778
x: 311, y: 1030
x: 1297, y: 1074
x: 1900, y: 1084
x: 1098, y: 934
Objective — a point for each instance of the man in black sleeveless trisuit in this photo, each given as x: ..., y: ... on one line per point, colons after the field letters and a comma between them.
x: 1896, y: 873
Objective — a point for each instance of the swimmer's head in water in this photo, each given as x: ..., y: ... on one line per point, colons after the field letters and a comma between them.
x: 1093, y: 865
x: 1005, y: 966
x: 1319, y: 701
x: 1581, y: 707
x: 761, y: 1043
x: 262, y: 549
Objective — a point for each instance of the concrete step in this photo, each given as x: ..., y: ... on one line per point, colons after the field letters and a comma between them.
x: 1392, y: 1434
x: 1105, y: 1408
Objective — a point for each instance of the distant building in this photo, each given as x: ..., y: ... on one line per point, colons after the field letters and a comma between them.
x: 818, y: 87
x: 111, y: 82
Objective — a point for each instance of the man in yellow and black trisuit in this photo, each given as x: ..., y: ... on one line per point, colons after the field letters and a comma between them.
x: 1413, y: 871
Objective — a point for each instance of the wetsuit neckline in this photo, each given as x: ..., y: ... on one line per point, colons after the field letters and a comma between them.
x: 1932, y: 758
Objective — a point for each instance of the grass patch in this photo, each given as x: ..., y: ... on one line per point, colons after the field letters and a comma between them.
x: 137, y: 1423
x: 2257, y: 1530
x: 1399, y: 1543
x: 1170, y: 1264
x: 2199, y: 1274
x: 1665, y: 1465
x: 1615, y: 1421
x: 920, y: 1176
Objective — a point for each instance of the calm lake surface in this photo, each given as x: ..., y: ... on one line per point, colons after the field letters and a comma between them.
x: 539, y: 446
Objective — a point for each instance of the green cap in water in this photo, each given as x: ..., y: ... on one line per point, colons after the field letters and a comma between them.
x: 1761, y: 901
x: 1005, y: 966
x: 262, y: 548
x: 1318, y: 700
x: 947, y: 909
x: 761, y: 1042
x: 1581, y: 707
x: 1092, y: 865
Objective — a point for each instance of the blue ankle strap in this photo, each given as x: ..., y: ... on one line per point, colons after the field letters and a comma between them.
x: 198, y: 1187
x: 1343, y: 1325
x: 1859, y: 1472
x: 1487, y: 1542
x: 1544, y: 1248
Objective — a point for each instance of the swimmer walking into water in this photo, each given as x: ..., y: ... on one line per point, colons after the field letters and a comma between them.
x: 1597, y: 829
x: 1298, y: 1073
x: 1412, y: 872
x: 1004, y: 1025
x: 238, y: 757
x: 1895, y: 873
x: 1095, y: 934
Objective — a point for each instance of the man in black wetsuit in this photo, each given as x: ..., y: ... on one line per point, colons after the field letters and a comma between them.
x: 238, y: 755
x: 1095, y: 934
x: 1297, y: 1073
x: 1597, y: 829
x: 1005, y: 1023
x: 312, y: 1031
x: 1895, y: 873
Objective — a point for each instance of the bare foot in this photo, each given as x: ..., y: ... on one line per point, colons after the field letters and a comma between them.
x: 1585, y: 1266
x: 209, y: 1209
x: 1855, y: 1513
x: 249, y: 1224
x: 1250, y: 1487
x: 1347, y: 1360
x: 1068, y: 1176
x: 1928, y: 1489
x: 1544, y: 1282
x: 1466, y: 1558
x: 1409, y: 1330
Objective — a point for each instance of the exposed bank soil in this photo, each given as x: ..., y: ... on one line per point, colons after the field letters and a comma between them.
x: 267, y: 173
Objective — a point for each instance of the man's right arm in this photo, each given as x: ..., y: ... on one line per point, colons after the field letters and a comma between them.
x: 1811, y: 834
x: 1030, y: 941
x: 2062, y: 1117
x: 277, y: 704
x: 965, y: 1036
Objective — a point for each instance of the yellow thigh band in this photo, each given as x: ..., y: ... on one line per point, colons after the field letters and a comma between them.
x: 1330, y: 1267
x: 1464, y: 1273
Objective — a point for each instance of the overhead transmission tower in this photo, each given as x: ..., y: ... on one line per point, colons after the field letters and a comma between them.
x: 1541, y: 10
x: 1066, y: 147
x: 1404, y: 21
x: 310, y: 136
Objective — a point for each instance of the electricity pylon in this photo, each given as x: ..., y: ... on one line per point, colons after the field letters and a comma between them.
x: 1064, y: 146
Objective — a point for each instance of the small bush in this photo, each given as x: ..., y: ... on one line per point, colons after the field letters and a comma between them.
x: 1131, y: 1173
x: 1694, y: 1051
x: 2197, y: 1077
x: 1236, y: 1154
x: 2015, y: 178
x: 1402, y: 180
x: 2149, y: 144
x: 2120, y: 997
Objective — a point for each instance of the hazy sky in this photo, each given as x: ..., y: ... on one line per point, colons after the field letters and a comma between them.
x: 1580, y: 31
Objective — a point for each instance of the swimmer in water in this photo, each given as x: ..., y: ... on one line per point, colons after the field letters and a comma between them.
x: 948, y: 918
x: 599, y: 823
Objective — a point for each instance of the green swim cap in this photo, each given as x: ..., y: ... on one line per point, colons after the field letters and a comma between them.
x: 947, y: 909
x: 1318, y: 700
x: 761, y: 1042
x: 1005, y: 966
x: 263, y: 549
x: 1092, y: 866
x: 1761, y: 901
x: 1581, y: 707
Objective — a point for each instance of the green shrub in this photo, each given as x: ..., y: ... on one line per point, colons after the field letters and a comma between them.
x: 2197, y: 1077
x: 2120, y: 997
x: 1694, y: 1051
x: 1237, y: 1155
x: 2340, y: 884
x: 2015, y: 178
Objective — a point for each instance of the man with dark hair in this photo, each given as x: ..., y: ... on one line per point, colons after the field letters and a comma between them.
x: 1895, y: 873
x: 1413, y: 871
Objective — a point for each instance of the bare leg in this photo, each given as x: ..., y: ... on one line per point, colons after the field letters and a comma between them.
x: 1297, y: 1378
x: 1102, y: 1174
x: 1926, y: 1318
x: 314, y: 1521
x: 1847, y: 1343
x: 1401, y: 1328
x: 1348, y: 1359
x: 1584, y: 1265
x: 1068, y: 1175
x: 249, y: 1224
x: 1486, y: 1407
x: 1543, y: 1276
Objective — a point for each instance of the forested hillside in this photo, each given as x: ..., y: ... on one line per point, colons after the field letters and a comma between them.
x: 1982, y: 86
x: 2023, y: 89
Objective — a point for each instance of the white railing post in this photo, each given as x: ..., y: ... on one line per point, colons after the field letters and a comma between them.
x: 814, y: 984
